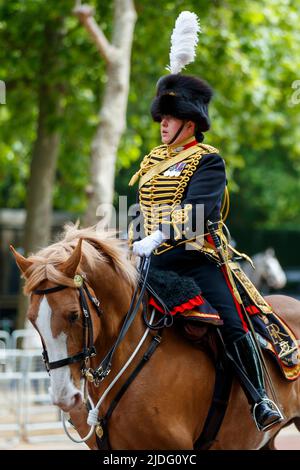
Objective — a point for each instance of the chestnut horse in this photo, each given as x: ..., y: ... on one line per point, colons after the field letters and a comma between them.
x: 165, y: 407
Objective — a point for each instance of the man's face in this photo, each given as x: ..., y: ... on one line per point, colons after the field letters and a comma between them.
x: 169, y: 125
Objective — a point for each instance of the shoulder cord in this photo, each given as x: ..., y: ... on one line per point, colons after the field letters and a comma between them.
x: 225, y: 205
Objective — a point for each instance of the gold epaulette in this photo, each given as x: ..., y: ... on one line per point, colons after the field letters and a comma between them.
x: 134, y: 178
x: 208, y: 148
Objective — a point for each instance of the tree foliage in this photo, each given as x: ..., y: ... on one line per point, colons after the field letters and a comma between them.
x: 249, y: 52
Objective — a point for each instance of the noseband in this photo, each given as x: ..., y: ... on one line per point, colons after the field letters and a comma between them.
x: 88, y: 337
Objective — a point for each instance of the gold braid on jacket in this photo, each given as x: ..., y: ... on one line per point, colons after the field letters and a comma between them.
x: 161, y: 196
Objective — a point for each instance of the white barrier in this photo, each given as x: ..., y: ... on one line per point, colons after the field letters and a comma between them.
x: 11, y: 395
x: 27, y: 338
x: 26, y: 412
x: 4, y: 339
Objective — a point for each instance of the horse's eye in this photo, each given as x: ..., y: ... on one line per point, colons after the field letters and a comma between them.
x: 73, y: 317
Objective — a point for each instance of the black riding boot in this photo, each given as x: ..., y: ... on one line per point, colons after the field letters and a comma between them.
x: 245, y: 355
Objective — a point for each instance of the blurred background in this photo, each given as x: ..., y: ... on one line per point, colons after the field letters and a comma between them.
x: 76, y: 83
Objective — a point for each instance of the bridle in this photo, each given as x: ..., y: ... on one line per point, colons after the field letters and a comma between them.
x: 88, y: 349
x: 100, y: 372
x: 97, y: 374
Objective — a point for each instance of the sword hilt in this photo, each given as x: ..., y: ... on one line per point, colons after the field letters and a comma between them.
x: 212, y: 228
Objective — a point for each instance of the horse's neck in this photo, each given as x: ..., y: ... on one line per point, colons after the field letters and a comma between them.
x: 115, y: 304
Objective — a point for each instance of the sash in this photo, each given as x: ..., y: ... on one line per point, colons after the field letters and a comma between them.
x: 165, y: 164
x: 251, y: 290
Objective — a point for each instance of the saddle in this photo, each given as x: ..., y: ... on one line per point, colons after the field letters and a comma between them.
x: 182, y: 298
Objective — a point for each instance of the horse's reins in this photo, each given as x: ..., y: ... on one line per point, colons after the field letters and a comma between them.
x: 104, y: 368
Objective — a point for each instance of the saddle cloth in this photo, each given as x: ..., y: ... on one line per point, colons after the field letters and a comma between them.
x: 181, y: 296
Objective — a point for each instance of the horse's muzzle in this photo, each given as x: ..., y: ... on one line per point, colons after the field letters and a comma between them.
x: 69, y: 404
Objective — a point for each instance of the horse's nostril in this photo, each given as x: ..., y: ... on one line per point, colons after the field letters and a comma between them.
x: 77, y: 399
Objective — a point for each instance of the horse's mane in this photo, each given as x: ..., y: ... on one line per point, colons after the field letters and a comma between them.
x: 97, y: 247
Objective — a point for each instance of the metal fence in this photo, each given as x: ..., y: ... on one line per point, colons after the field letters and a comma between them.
x: 26, y: 413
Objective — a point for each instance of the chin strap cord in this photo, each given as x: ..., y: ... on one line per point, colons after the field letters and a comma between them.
x: 177, y: 134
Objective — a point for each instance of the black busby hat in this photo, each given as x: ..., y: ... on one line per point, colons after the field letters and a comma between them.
x: 183, y: 96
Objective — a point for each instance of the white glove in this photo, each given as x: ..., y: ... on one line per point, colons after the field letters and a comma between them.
x: 148, y: 244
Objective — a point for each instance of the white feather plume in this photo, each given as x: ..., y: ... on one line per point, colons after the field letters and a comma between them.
x: 184, y: 41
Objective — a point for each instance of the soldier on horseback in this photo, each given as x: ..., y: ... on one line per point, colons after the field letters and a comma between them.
x: 174, y: 179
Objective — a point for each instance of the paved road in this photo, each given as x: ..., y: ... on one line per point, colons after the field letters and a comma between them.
x: 289, y: 439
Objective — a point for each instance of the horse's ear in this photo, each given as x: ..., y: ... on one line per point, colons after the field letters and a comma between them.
x: 69, y: 266
x: 270, y: 252
x: 22, y: 262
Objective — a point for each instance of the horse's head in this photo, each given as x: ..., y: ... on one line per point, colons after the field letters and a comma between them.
x: 272, y: 270
x: 58, y: 308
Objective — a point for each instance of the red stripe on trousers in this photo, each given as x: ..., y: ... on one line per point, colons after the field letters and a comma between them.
x: 237, y: 305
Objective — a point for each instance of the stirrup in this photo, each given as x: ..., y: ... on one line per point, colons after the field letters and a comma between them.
x: 276, y: 421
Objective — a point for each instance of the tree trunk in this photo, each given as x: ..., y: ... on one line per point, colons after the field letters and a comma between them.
x: 39, y: 203
x: 117, y: 55
x: 45, y: 153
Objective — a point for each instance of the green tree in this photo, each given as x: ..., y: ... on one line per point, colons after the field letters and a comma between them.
x: 248, y: 52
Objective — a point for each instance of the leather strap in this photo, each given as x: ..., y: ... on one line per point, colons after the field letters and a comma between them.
x: 103, y: 443
x: 219, y: 403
